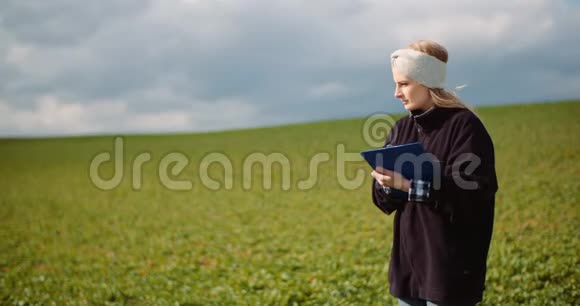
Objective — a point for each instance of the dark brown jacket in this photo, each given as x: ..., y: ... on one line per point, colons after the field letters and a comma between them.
x: 440, y: 246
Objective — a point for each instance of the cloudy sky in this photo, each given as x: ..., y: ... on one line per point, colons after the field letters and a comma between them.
x: 70, y: 67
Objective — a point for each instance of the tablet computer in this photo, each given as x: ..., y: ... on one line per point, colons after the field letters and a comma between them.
x: 409, y: 159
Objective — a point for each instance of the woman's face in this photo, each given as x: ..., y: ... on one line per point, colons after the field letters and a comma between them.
x: 414, y: 96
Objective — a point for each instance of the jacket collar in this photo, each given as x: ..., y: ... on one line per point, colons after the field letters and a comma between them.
x: 431, y: 118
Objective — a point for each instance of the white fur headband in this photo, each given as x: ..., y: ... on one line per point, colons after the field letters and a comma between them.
x: 421, y: 67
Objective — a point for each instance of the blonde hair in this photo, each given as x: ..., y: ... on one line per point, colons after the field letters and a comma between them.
x: 440, y: 96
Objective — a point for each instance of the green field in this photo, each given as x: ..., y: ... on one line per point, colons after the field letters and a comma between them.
x: 64, y: 241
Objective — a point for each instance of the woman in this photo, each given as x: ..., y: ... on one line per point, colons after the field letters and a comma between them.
x: 443, y: 229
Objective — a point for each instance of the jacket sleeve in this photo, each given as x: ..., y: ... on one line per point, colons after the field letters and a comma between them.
x: 468, y: 179
x: 381, y: 198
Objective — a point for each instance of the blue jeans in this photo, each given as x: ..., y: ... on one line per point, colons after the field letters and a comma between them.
x: 420, y: 302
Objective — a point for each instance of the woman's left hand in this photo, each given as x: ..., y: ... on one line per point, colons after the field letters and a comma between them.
x: 391, y: 179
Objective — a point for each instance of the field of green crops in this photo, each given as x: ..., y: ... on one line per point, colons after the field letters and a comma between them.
x: 65, y: 241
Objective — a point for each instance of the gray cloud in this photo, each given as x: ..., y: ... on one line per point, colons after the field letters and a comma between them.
x: 68, y: 67
x: 62, y: 22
